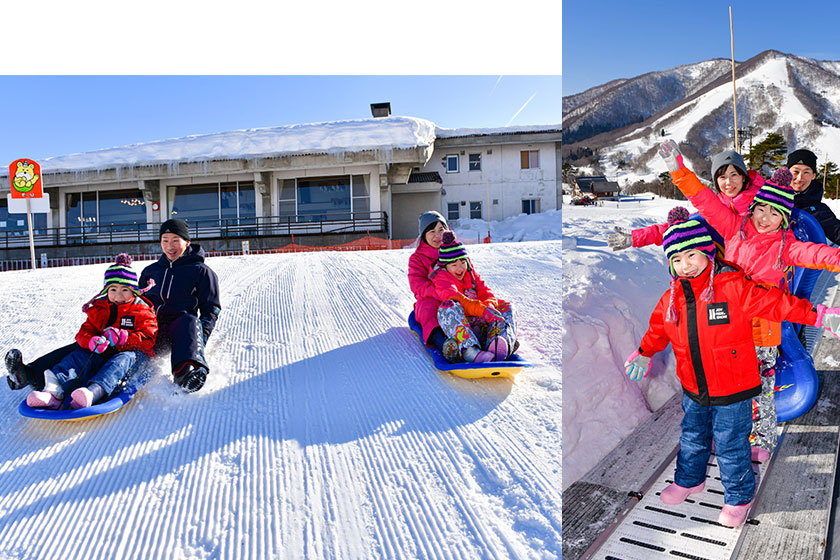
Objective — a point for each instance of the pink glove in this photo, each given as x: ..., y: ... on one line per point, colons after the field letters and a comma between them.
x: 116, y: 337
x: 491, y: 315
x: 828, y: 318
x: 98, y: 344
x: 637, y: 366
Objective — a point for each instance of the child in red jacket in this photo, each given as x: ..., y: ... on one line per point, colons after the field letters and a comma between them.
x: 119, y: 332
x: 707, y: 317
x: 469, y: 312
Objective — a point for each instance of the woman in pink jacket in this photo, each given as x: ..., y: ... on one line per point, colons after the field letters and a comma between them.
x: 421, y: 274
x: 736, y: 188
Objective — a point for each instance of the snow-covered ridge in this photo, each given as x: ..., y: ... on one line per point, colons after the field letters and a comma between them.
x: 382, y: 134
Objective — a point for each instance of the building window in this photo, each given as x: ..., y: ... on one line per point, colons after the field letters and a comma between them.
x: 531, y: 206
x: 125, y: 209
x: 452, y: 164
x: 475, y: 210
x: 475, y: 162
x: 213, y: 205
x: 13, y: 225
x: 325, y: 198
x: 530, y: 159
x: 453, y: 211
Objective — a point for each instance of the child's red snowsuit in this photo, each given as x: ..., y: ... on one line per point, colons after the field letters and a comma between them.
x: 137, y: 317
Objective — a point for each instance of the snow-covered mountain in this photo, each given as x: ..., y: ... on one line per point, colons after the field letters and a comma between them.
x: 776, y: 92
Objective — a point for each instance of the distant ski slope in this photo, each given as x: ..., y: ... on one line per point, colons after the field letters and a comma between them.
x: 322, y: 432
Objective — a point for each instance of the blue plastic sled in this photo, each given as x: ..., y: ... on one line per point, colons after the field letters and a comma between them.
x: 507, y: 368
x: 797, y: 385
x: 106, y: 407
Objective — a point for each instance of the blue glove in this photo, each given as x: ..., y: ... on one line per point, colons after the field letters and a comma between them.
x: 669, y: 151
x: 637, y: 366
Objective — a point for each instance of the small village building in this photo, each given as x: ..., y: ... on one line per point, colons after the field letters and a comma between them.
x: 332, y: 181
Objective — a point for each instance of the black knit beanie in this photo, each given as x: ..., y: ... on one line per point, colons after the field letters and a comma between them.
x: 176, y: 226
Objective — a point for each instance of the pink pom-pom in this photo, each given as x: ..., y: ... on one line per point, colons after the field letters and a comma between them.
x: 123, y: 259
x: 448, y: 238
x: 677, y: 215
x: 782, y: 176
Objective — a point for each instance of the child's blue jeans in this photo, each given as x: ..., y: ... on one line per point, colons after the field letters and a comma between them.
x: 730, y: 427
x: 106, y: 370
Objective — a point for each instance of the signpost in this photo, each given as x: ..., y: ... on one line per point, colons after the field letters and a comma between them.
x: 25, y: 179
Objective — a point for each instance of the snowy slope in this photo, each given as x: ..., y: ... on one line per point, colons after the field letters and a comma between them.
x: 323, y: 431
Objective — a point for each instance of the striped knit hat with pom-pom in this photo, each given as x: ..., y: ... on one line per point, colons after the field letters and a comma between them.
x: 685, y: 236
x: 451, y: 249
x: 777, y: 193
x: 120, y: 273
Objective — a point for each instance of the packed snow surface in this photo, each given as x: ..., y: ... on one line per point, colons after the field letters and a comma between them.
x: 382, y: 134
x: 323, y: 431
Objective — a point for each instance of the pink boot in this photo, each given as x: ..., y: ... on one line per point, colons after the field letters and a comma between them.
x: 81, y: 398
x: 675, y: 494
x: 499, y: 347
x: 733, y: 516
x: 42, y: 399
x: 484, y: 356
x: 759, y: 454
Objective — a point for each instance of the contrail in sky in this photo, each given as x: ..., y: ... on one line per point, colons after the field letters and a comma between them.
x: 520, y: 109
x: 500, y: 79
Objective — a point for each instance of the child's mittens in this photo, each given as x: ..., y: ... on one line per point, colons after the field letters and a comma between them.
x: 491, y: 315
x: 829, y: 318
x: 116, y: 337
x: 98, y: 344
x: 637, y: 366
x: 669, y: 152
x: 621, y: 239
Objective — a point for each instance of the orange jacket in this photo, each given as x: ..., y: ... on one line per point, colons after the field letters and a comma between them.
x: 137, y: 317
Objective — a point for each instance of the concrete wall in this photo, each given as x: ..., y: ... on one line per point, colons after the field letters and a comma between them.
x: 501, y: 179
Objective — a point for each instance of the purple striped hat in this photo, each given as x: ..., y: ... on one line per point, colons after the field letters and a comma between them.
x: 451, y: 249
x: 686, y: 235
x: 120, y: 273
x: 777, y: 193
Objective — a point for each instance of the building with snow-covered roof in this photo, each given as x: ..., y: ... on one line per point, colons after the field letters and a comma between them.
x: 338, y: 179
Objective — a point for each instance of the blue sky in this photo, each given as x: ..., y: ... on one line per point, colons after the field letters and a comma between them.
x: 621, y: 39
x: 59, y: 115
x: 96, y: 74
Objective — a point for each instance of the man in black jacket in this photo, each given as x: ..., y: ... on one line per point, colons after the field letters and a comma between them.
x: 186, y: 299
x: 809, y: 193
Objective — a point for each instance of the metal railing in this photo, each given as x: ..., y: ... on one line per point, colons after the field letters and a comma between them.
x: 327, y: 223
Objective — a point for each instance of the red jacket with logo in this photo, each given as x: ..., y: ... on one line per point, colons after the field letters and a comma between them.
x: 713, y: 342
x: 137, y: 317
x: 470, y: 291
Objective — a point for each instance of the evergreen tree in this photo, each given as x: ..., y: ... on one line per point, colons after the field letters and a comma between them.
x: 832, y: 178
x: 768, y: 155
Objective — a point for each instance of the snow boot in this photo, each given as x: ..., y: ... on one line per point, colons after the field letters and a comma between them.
x: 476, y: 355
x: 675, y: 494
x: 759, y: 454
x: 190, y: 377
x: 452, y: 350
x: 42, y: 399
x: 499, y: 347
x: 734, y: 516
x: 84, y: 397
x: 19, y: 375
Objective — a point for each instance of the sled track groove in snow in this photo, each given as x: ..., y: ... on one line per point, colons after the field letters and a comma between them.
x: 323, y: 430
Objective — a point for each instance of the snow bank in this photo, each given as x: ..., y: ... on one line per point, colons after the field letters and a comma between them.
x: 607, y: 300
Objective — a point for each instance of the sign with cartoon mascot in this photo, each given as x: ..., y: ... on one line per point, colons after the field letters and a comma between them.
x: 25, y: 176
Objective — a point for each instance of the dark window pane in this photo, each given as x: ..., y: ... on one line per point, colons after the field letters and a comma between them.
x: 326, y: 198
x: 122, y: 208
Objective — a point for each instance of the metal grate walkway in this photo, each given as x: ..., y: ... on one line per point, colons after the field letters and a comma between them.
x: 652, y: 530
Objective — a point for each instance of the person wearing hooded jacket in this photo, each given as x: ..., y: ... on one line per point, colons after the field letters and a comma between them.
x: 809, y: 193
x: 185, y: 294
